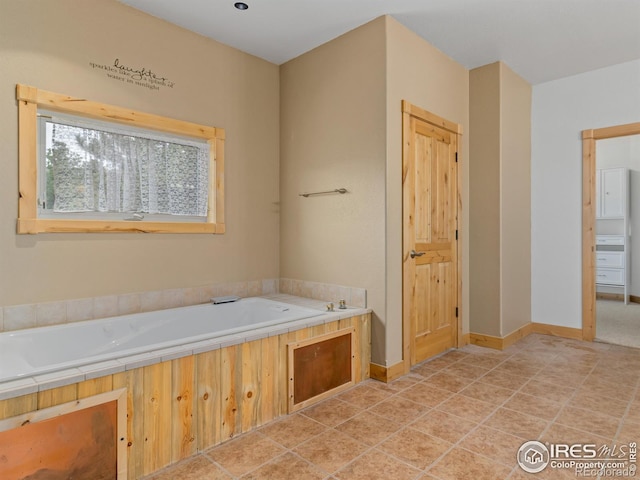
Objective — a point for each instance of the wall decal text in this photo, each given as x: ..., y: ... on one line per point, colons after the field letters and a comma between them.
x: 141, y: 77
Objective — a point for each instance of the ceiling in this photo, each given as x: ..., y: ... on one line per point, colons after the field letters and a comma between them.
x: 541, y: 40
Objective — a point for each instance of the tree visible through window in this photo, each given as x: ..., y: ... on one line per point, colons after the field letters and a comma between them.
x: 93, y: 170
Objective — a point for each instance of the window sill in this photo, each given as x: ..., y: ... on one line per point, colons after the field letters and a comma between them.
x: 37, y: 225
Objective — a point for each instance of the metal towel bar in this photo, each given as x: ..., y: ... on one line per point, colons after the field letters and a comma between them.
x: 337, y: 190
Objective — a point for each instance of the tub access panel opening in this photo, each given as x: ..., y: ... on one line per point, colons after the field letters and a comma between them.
x: 320, y: 367
x: 86, y: 438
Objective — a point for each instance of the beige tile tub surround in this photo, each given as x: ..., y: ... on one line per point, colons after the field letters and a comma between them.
x: 17, y: 317
x: 326, y: 292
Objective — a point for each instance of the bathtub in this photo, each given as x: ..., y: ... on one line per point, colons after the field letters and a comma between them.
x: 215, y: 371
x: 37, y: 351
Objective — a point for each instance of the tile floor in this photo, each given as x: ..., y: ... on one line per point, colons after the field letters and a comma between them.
x: 460, y: 416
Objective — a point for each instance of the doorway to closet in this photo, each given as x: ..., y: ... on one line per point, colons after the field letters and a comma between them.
x: 611, y: 187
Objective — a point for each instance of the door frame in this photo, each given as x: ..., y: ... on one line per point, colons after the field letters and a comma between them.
x: 589, y: 138
x: 409, y: 110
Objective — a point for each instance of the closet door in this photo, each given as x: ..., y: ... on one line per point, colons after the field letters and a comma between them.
x: 430, y: 210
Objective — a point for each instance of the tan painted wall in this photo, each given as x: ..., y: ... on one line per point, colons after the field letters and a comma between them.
x: 500, y: 103
x: 332, y: 136
x: 50, y: 45
x: 515, y: 237
x: 484, y: 207
x: 423, y: 75
x: 341, y: 126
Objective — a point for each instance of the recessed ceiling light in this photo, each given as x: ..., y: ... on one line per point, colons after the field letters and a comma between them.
x: 241, y: 5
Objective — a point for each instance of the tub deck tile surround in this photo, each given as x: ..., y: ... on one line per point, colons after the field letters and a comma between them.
x: 231, y: 340
x: 280, y: 331
x: 60, y: 378
x: 18, y: 388
x: 50, y: 313
x: 79, y: 310
x: 19, y: 316
x: 173, y: 353
x: 141, y: 360
x: 101, y: 369
x: 205, y: 346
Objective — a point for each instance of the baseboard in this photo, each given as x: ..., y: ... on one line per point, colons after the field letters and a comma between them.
x: 466, y: 339
x: 386, y: 374
x: 616, y: 296
x: 557, y: 331
x: 519, y: 334
x: 500, y: 343
x: 485, y: 341
x: 610, y: 296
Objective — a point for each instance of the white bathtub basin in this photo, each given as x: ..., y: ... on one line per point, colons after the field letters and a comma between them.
x: 41, y: 350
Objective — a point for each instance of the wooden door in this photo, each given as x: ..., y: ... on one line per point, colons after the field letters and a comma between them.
x: 430, y: 244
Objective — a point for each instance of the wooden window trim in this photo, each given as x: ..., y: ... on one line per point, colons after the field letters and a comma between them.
x: 31, y: 98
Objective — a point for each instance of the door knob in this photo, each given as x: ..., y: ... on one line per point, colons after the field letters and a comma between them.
x: 415, y: 254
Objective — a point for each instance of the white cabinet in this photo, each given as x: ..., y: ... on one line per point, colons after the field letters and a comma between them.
x: 610, y: 267
x: 609, y: 240
x: 610, y: 276
x: 611, y: 192
x: 611, y: 264
x: 609, y: 259
x: 612, y: 231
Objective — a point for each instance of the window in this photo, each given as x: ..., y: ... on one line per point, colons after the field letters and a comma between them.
x: 94, y: 170
x: 88, y: 167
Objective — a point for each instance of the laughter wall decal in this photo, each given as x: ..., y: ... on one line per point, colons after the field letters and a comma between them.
x: 141, y: 77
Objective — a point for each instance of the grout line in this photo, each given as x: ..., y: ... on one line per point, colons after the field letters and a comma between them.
x: 373, y: 448
x: 635, y: 394
x: 458, y: 444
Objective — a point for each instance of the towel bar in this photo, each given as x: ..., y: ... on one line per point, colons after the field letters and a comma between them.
x: 337, y: 190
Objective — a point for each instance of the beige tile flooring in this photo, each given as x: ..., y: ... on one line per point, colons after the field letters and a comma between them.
x: 460, y: 416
